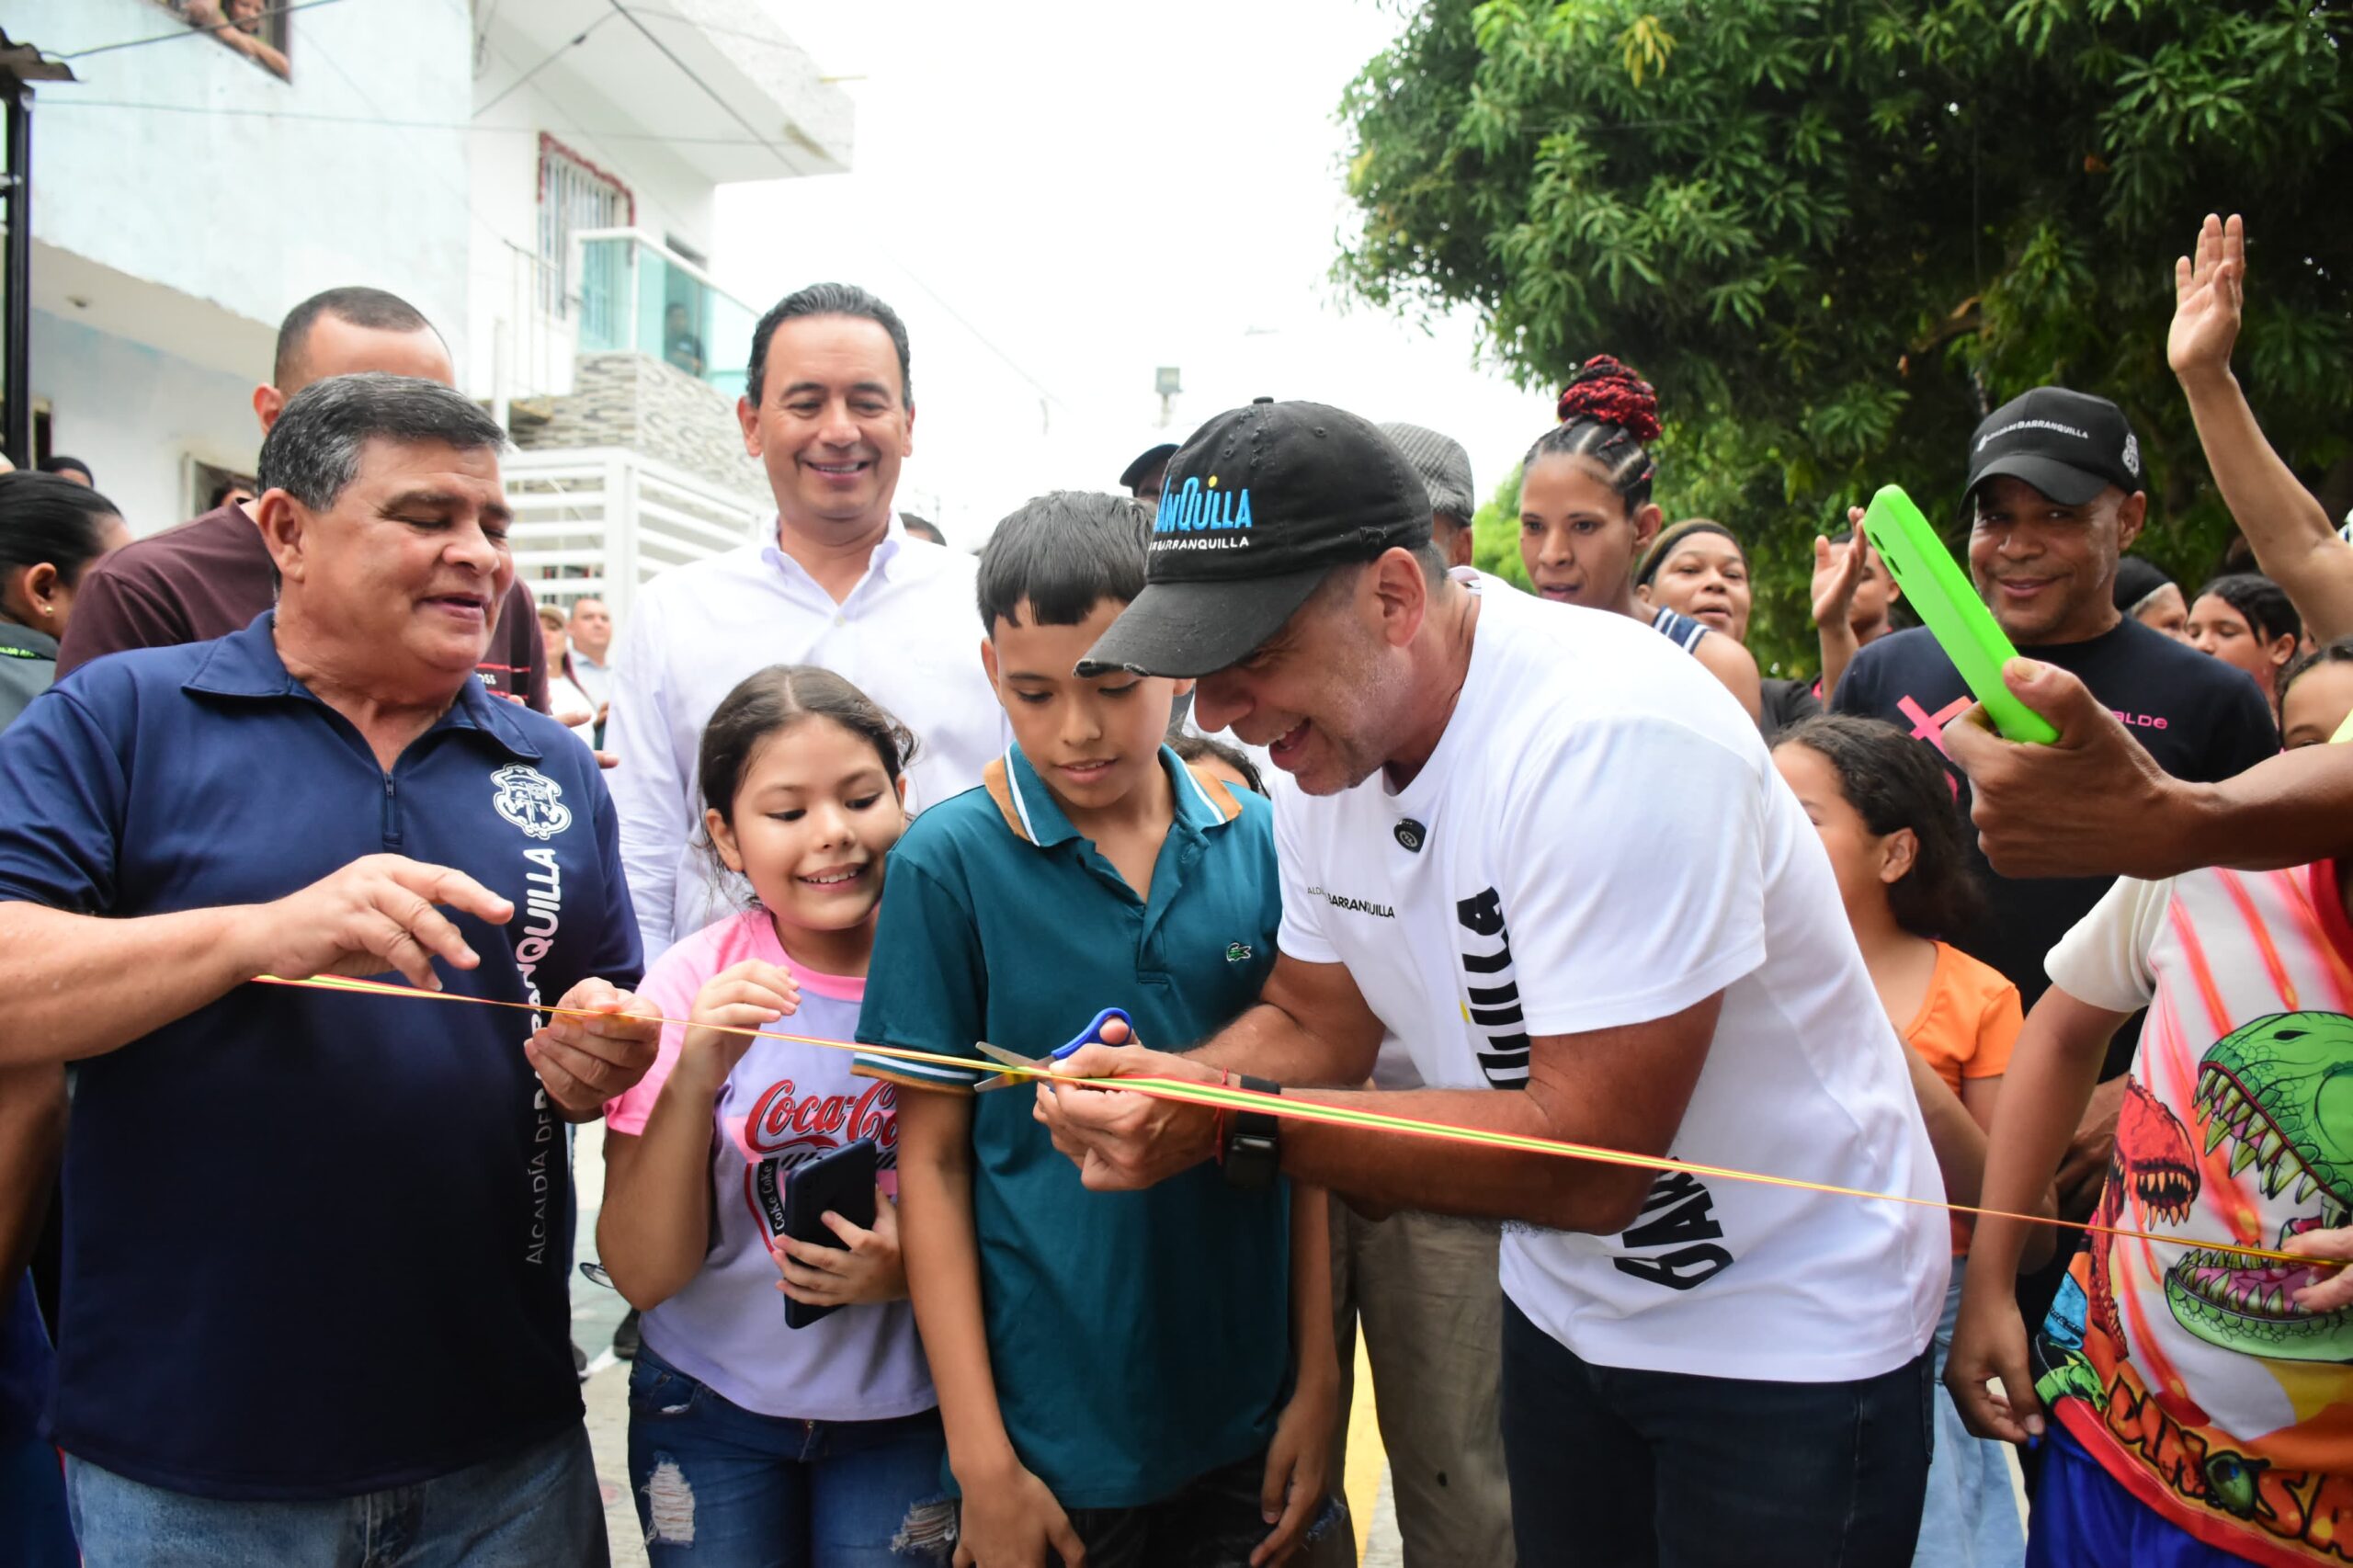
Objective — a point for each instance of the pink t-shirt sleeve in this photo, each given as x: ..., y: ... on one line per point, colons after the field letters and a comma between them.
x: 671, y: 985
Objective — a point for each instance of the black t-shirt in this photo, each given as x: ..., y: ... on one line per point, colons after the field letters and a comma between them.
x: 1783, y: 705
x: 2201, y: 718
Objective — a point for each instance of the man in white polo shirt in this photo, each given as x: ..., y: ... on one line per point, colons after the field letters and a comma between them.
x: 828, y: 410
x: 1551, y: 856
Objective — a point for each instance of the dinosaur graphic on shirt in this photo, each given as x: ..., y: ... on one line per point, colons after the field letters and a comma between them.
x: 2153, y: 1163
x: 2280, y: 1091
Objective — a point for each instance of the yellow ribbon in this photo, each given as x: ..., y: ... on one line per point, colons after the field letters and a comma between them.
x: 1232, y: 1098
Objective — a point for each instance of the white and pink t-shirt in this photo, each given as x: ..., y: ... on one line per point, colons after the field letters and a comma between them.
x: 784, y: 1104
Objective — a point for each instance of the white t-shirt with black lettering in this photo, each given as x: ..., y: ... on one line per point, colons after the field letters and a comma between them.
x: 1601, y: 840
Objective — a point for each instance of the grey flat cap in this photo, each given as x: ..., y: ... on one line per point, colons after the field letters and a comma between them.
x: 1444, y: 466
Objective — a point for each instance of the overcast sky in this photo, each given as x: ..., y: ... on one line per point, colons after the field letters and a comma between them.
x: 1062, y: 197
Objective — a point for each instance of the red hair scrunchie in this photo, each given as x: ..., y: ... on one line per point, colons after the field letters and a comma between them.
x: 1608, y: 392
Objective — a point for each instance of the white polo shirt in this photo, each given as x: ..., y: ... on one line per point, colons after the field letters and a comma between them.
x: 908, y: 636
x: 1600, y: 840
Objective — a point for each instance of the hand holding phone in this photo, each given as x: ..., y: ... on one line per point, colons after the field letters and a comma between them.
x: 826, y: 1270
x: 1947, y: 603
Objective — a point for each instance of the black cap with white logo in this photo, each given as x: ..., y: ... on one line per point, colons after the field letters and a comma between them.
x: 2069, y: 445
x: 1257, y: 506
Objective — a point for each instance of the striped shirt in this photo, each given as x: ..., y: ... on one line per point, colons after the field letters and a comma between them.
x: 1677, y: 629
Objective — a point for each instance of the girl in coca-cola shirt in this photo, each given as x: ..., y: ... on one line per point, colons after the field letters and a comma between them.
x: 749, y: 1441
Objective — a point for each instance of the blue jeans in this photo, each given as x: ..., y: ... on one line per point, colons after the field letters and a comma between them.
x: 1614, y: 1468
x: 1971, y: 1518
x: 538, y: 1509
x: 725, y: 1487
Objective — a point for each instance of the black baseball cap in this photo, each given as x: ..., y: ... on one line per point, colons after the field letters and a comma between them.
x: 1256, y: 506
x: 2069, y: 445
x: 1146, y: 461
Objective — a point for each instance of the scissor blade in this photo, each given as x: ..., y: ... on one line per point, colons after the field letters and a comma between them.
x: 999, y: 1054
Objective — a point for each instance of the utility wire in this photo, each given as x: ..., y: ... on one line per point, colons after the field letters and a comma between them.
x: 557, y: 53
x: 194, y: 29
x: 386, y: 122
x: 709, y: 91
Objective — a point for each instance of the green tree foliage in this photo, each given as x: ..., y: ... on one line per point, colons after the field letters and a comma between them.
x: 1833, y: 232
x: 1494, y: 534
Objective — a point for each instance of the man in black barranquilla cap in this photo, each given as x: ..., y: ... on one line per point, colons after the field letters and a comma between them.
x: 2056, y: 492
x: 1548, y: 853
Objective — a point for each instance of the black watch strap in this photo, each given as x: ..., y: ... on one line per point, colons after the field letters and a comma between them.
x: 1253, y: 1151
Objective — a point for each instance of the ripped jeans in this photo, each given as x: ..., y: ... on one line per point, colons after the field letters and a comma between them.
x: 724, y: 1487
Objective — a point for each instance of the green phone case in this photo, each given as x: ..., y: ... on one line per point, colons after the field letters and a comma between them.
x: 1948, y: 604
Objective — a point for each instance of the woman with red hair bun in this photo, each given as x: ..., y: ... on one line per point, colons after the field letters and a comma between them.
x: 1586, y: 516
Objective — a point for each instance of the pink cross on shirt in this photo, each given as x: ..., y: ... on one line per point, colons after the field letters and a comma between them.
x: 1930, y: 727
x: 1927, y: 726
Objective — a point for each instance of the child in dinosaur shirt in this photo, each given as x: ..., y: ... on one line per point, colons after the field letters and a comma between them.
x: 2203, y: 1396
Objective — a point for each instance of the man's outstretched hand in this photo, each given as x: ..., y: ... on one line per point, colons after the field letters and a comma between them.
x: 2091, y: 804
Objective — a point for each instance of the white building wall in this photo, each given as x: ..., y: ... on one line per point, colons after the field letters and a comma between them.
x: 671, y: 199
x: 136, y: 414
x: 235, y: 188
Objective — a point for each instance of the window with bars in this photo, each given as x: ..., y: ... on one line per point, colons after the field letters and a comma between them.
x: 574, y: 195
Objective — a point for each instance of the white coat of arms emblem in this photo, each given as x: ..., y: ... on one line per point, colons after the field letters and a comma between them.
x: 532, y: 801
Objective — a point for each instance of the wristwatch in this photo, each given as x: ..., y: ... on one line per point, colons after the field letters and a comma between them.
x: 1253, y: 1145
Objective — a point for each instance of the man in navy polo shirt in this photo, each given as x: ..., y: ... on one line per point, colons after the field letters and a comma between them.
x: 267, y: 1188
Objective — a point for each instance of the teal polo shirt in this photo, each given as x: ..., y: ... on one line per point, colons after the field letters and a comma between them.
x: 1138, y: 1339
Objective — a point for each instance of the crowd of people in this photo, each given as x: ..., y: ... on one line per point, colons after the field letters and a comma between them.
x: 1247, y: 778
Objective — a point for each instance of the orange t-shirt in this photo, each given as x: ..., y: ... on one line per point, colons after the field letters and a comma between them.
x: 1965, y: 1028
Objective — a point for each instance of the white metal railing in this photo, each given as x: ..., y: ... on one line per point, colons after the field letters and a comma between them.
x: 637, y: 295
x: 531, y: 346
x: 602, y: 520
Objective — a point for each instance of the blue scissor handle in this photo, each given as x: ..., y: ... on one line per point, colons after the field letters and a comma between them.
x: 1092, y: 1033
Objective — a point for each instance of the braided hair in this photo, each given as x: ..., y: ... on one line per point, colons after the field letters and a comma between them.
x: 2268, y: 610
x: 1610, y: 414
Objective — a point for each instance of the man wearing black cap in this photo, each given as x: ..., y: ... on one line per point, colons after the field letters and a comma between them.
x: 2056, y: 494
x: 1141, y: 478
x: 1696, y: 1369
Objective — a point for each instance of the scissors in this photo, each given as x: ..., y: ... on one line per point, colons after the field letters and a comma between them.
x: 1091, y: 1035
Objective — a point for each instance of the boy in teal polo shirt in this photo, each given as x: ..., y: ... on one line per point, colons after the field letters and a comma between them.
x: 1150, y: 1375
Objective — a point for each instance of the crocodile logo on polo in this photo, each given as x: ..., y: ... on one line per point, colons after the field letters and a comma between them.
x: 2279, y: 1091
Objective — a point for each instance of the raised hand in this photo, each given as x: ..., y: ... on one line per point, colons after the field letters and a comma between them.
x: 1838, y: 572
x: 2209, y: 289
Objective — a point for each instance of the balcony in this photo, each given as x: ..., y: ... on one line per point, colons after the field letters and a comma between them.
x: 637, y: 296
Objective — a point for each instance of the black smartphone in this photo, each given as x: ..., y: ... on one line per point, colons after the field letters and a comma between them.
x: 842, y: 1182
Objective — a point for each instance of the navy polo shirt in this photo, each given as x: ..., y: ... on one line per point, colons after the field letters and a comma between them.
x: 315, y: 1243
x: 1138, y: 1339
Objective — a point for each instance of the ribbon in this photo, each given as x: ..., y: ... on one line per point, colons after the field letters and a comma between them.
x: 1232, y: 1097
